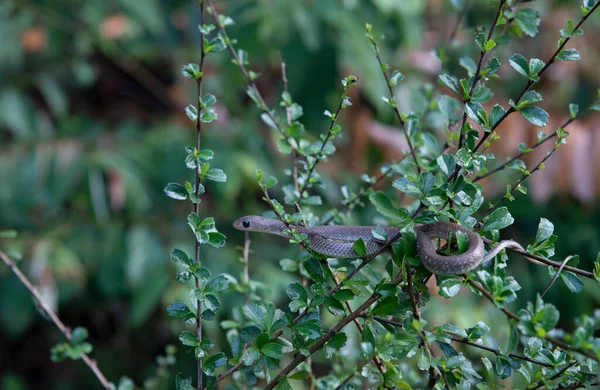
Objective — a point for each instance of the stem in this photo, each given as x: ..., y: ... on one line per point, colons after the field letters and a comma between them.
x: 53, y: 317
x: 394, y: 103
x: 531, y: 82
x: 551, y: 136
x: 320, y: 153
x: 197, y: 193
x: 515, y: 317
x: 549, y: 262
x: 477, y: 76
x: 288, y: 115
x: 458, y: 22
x: 262, y: 104
x: 299, y: 358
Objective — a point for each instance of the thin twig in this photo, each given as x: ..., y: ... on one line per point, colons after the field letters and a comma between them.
x: 393, y: 102
x: 458, y: 22
x: 332, y: 123
x: 521, y: 180
x: 299, y: 358
x: 349, y: 377
x: 53, y: 317
x: 252, y: 85
x: 477, y: 75
x: 541, y: 383
x: 531, y: 82
x: 515, y: 317
x: 288, y: 115
x: 278, y: 333
x: 551, y: 136
x: 197, y: 192
x: 499, y: 352
x: 544, y: 260
x: 378, y: 363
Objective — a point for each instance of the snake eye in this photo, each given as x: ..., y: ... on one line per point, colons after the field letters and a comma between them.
x: 246, y: 224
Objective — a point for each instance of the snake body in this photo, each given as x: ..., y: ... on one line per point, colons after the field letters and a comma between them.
x: 338, y: 241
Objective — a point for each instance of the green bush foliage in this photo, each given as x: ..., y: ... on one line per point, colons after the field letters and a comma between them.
x: 246, y: 314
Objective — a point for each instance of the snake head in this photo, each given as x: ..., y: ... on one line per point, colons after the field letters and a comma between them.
x: 255, y: 223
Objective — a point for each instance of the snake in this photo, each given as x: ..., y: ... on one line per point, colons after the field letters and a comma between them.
x: 338, y: 241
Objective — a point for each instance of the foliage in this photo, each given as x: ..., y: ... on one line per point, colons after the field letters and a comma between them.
x: 269, y: 340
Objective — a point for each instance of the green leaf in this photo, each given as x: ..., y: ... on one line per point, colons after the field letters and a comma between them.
x: 491, y: 68
x: 530, y: 97
x: 469, y: 65
x: 180, y: 310
x: 498, y: 219
x: 180, y: 257
x: 396, y: 78
x: 387, y: 306
x: 343, y: 294
x: 447, y: 163
x: 535, y: 115
x: 451, y: 83
x: 338, y: 341
x: 270, y: 182
x: 529, y: 20
x: 191, y: 71
x: 544, y: 231
x: 383, y: 204
x: 334, y: 306
x: 183, y: 384
x: 405, y: 185
x: 573, y: 110
x: 423, y: 359
x: 251, y: 355
x: 313, y: 267
x: 206, y: 154
x: 176, y: 191
x: 519, y: 63
x: 480, y: 41
x: 535, y: 66
x: 216, y: 239
x: 300, y: 375
x: 283, y: 146
x: 449, y: 287
x: 219, y: 283
x: 191, y: 112
x: 188, y: 338
x: 573, y: 282
x: 272, y: 350
x: 216, y: 174
x: 296, y: 291
x: 569, y: 55
x: 212, y: 363
x: 477, y: 331
x: 359, y: 247
x: 208, y: 100
x: 489, y: 45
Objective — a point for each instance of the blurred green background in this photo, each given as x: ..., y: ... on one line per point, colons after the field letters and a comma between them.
x: 92, y: 128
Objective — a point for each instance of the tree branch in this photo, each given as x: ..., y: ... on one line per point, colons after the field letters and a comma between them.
x: 299, y: 358
x: 53, y: 317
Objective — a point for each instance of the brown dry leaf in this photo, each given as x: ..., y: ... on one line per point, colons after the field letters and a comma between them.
x: 34, y: 40
x: 114, y: 26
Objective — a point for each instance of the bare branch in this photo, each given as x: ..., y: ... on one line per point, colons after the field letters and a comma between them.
x: 53, y: 317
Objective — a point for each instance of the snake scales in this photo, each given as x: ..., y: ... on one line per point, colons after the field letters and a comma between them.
x: 338, y: 241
